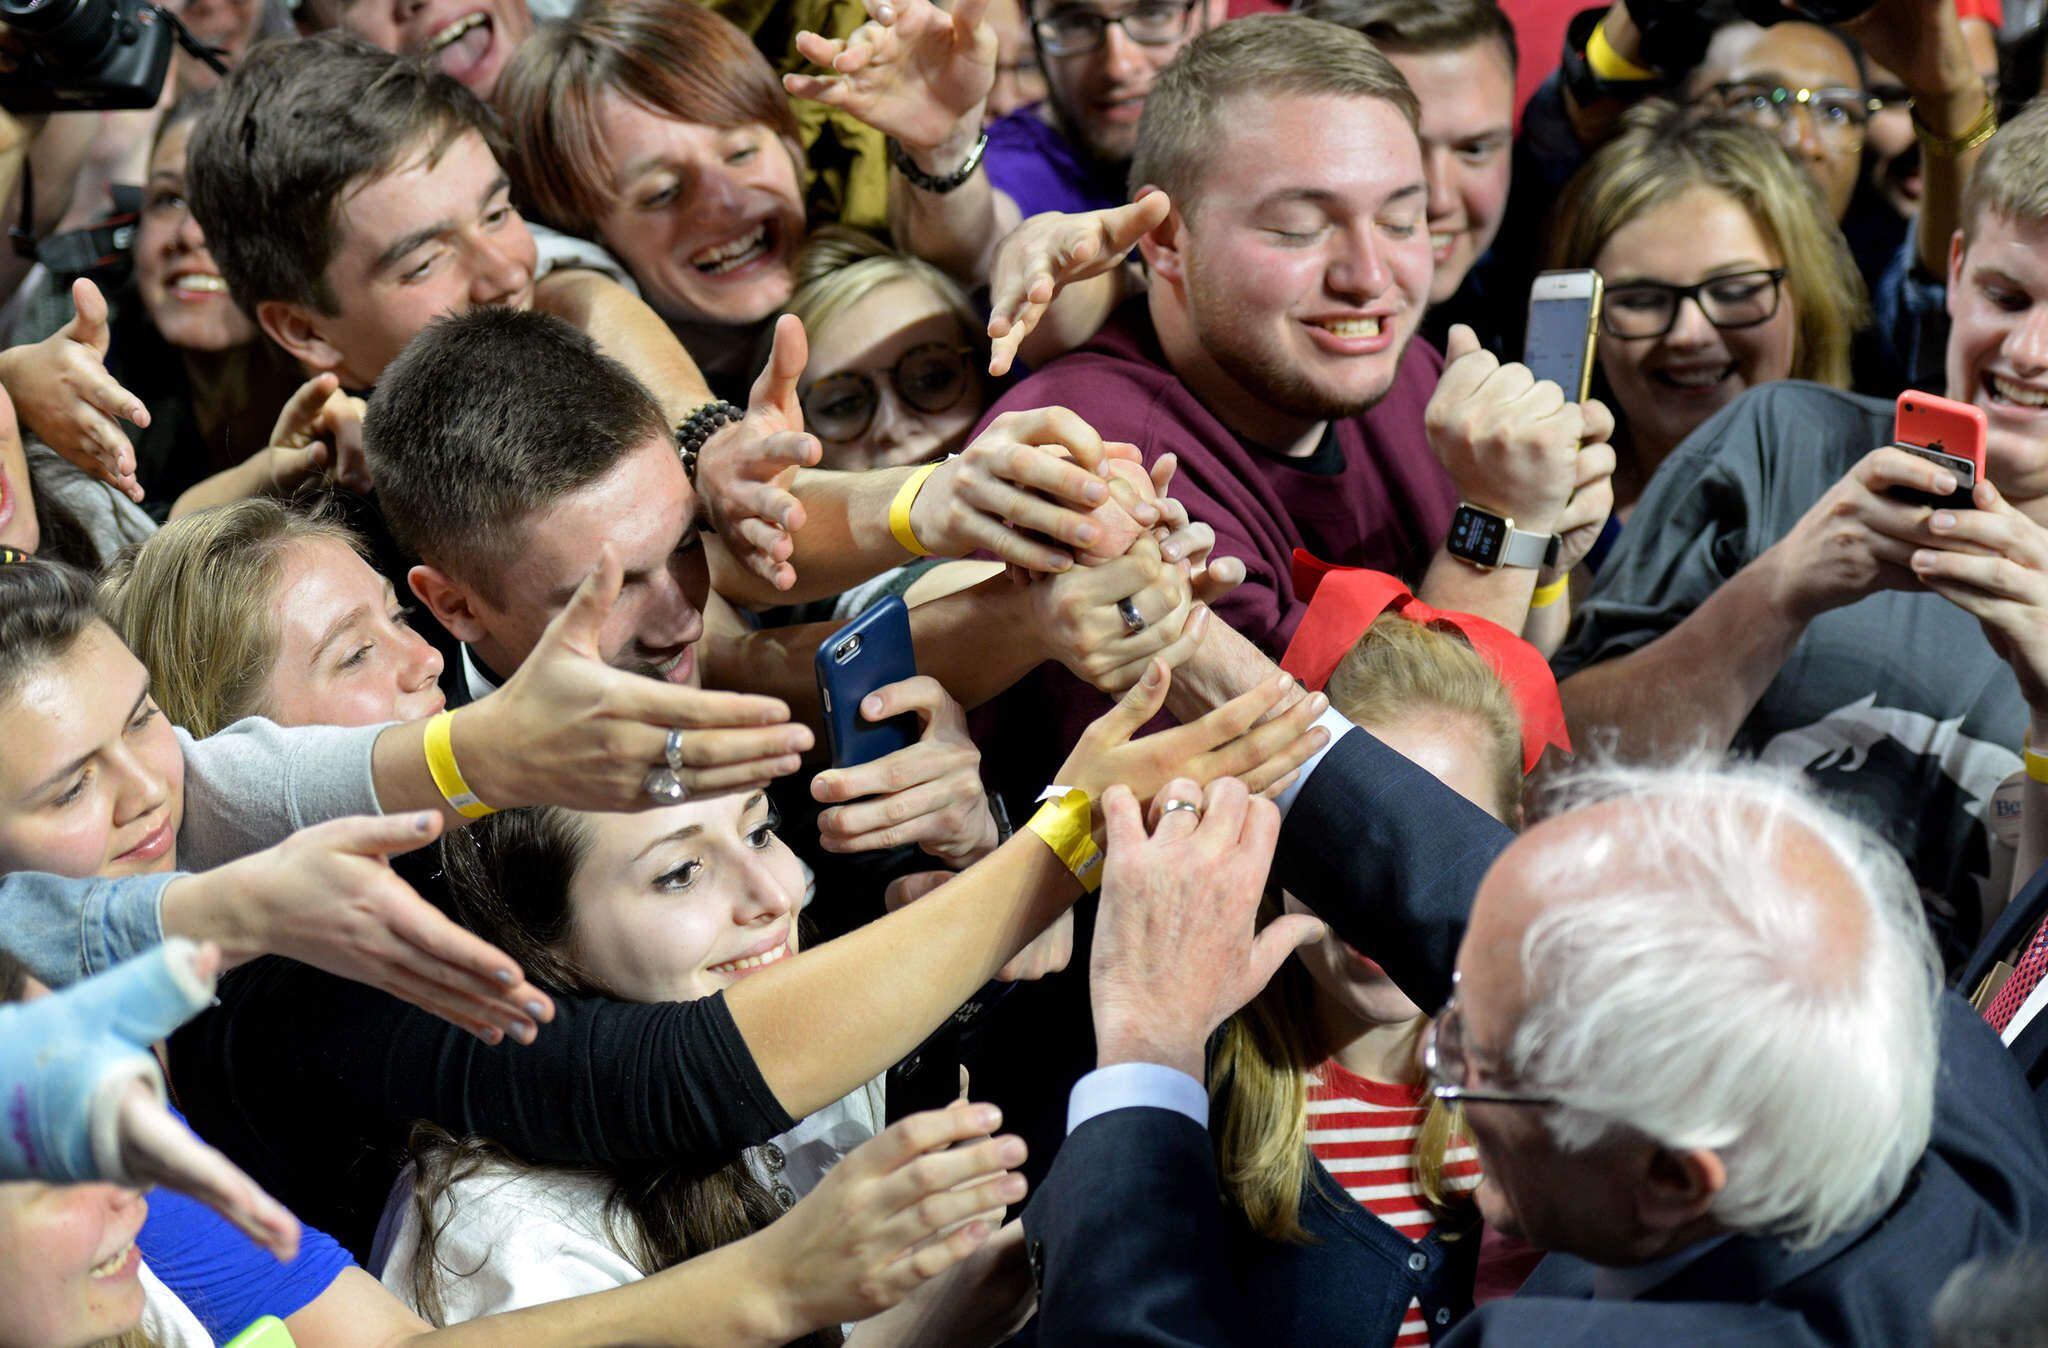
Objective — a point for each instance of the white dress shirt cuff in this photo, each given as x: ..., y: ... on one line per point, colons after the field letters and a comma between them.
x: 1129, y: 1085
x: 1338, y: 725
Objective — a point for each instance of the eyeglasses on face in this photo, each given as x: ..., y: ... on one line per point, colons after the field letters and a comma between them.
x: 1072, y: 30
x: 1837, y: 113
x: 1449, y: 1070
x: 930, y: 377
x: 1643, y: 309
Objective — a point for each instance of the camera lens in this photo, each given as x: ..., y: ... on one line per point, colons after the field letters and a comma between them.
x: 69, y: 34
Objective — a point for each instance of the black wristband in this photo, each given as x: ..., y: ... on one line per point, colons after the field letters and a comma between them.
x: 693, y: 430
x: 925, y: 182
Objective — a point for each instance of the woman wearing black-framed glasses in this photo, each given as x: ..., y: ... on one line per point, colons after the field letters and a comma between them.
x: 1722, y: 272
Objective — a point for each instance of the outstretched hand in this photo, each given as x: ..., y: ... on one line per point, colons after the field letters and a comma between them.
x: 1177, y: 949
x: 1051, y: 251
x: 913, y: 71
x: 745, y: 470
x: 61, y: 388
x: 569, y: 730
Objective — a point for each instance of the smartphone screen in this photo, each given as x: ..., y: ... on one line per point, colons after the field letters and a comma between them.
x: 1556, y: 348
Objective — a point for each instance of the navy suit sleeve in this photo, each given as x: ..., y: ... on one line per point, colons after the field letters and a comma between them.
x: 1126, y: 1237
x: 1390, y: 857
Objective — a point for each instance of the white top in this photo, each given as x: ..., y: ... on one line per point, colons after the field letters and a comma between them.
x: 513, y: 1236
x: 167, y: 1321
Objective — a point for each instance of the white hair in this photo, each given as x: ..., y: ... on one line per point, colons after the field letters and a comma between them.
x: 1689, y: 991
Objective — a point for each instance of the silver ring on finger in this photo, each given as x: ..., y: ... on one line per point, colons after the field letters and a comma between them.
x: 1172, y: 806
x: 672, y: 750
x: 1134, y: 621
x: 663, y: 786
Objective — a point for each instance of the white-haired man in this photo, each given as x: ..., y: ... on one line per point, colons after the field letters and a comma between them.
x: 1695, y: 1022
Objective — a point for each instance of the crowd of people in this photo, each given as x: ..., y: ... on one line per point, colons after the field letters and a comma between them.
x: 1378, y: 847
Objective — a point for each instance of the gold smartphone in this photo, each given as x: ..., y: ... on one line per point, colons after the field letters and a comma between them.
x: 1564, y: 324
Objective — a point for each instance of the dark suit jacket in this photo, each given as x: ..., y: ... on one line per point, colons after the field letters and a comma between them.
x: 2014, y: 926
x: 1126, y: 1233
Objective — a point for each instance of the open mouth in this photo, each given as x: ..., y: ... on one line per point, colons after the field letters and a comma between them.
x: 117, y: 1263
x: 1440, y: 245
x: 1693, y: 381
x: 2003, y: 390
x: 1349, y: 328
x: 462, y: 46
x: 753, y: 963
x: 677, y: 668
x: 725, y: 258
x: 197, y: 283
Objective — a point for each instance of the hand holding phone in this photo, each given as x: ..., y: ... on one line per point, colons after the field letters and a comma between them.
x: 872, y: 651
x: 1564, y: 323
x: 1946, y: 433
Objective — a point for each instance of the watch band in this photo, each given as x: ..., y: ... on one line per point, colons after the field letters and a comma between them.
x: 1524, y: 548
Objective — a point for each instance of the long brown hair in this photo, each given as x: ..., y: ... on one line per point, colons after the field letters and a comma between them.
x: 1270, y: 1050
x: 508, y: 881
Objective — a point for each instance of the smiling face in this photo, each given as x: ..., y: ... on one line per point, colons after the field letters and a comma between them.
x: 92, y: 781
x: 679, y: 903
x: 70, y: 1274
x: 468, y: 39
x: 1795, y: 56
x: 180, y: 284
x: 345, y: 653
x: 1467, y: 132
x: 1998, y: 344
x: 437, y: 235
x: 1666, y: 386
x: 1100, y: 95
x: 1456, y: 754
x: 898, y: 319
x: 645, y: 510
x: 1302, y: 268
x: 707, y: 220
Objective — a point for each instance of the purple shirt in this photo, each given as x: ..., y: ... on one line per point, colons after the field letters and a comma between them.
x: 1041, y: 170
x: 1374, y: 494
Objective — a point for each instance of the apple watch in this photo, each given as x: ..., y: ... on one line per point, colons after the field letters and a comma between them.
x: 1485, y: 539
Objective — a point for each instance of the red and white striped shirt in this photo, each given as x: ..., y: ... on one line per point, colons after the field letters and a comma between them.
x: 1364, y: 1132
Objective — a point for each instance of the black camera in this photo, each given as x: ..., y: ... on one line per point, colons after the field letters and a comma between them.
x: 86, y: 55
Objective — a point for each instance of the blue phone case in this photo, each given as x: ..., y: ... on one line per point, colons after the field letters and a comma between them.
x: 870, y: 652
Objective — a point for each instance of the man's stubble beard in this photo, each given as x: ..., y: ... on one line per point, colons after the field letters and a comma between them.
x: 1230, y: 338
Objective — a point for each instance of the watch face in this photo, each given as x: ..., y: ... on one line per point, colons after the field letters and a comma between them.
x: 1477, y: 537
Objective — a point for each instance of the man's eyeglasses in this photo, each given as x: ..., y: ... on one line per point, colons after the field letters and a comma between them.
x: 1074, y: 31
x: 1838, y: 114
x: 1448, y: 1069
x: 1650, y: 308
x: 931, y: 377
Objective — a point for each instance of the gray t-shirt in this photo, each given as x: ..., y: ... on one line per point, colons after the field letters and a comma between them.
x: 1895, y: 705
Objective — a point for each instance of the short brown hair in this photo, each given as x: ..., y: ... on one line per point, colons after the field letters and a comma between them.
x: 1664, y: 151
x: 487, y: 417
x: 2012, y: 177
x: 1268, y: 55
x: 1420, y: 25
x: 295, y: 126
x: 562, y: 167
x: 195, y: 602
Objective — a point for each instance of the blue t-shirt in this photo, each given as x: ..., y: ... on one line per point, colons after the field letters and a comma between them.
x: 222, y: 1276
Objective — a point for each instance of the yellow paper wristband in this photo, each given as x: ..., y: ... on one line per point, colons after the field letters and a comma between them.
x: 1546, y: 595
x: 1067, y: 825
x: 447, y: 777
x: 899, y: 512
x: 1610, y: 64
x: 2037, y: 764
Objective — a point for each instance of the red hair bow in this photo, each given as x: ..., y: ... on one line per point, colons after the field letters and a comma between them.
x: 1344, y: 600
